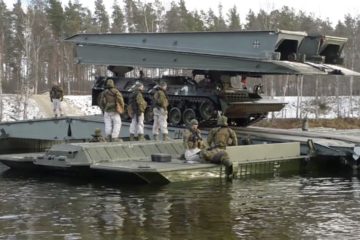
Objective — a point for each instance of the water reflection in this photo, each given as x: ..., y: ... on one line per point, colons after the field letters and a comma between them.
x: 276, y: 208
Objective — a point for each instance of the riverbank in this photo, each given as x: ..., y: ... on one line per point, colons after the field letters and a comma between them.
x: 288, y: 123
x: 39, y: 106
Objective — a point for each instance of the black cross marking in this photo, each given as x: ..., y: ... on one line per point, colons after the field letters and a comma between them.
x: 256, y: 44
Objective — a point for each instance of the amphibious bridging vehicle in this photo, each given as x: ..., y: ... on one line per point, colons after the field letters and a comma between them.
x: 221, y: 58
x: 198, y: 99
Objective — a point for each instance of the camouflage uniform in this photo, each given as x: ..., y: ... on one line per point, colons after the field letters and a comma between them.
x: 108, y: 99
x: 193, y: 142
x: 137, y: 105
x: 56, y: 97
x: 218, y: 139
x: 97, y: 137
x: 160, y: 112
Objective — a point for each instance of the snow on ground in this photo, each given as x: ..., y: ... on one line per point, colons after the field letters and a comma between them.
x: 13, y: 108
x: 83, y: 102
x: 326, y: 107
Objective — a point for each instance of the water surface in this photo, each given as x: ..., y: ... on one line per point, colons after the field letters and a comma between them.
x: 47, y: 207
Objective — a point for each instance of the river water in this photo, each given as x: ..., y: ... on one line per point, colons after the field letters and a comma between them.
x: 294, y: 207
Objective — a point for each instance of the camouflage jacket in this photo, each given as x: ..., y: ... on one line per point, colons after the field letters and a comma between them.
x: 161, y: 99
x: 137, y: 102
x: 108, y: 99
x: 192, y: 139
x: 97, y: 139
x: 56, y: 92
x: 221, y: 137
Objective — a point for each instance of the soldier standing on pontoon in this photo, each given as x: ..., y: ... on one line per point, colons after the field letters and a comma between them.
x: 161, y: 102
x: 137, y: 106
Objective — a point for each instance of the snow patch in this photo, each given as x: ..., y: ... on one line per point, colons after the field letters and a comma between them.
x: 323, y: 107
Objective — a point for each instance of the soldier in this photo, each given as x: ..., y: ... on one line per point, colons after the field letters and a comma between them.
x: 244, y: 82
x: 141, y: 75
x: 56, y: 97
x: 193, y: 142
x: 109, y: 99
x: 97, y: 137
x: 137, y: 106
x: 160, y: 111
x: 218, y: 139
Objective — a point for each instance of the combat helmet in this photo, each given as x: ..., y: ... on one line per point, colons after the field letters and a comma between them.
x: 97, y: 133
x: 222, y: 121
x: 162, y: 84
x: 138, y: 85
x: 110, y: 83
x: 194, y: 122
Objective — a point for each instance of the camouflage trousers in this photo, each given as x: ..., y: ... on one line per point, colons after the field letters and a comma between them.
x: 137, y: 124
x: 112, y: 124
x: 218, y: 156
x: 57, y: 106
x: 160, y: 121
x: 192, y: 155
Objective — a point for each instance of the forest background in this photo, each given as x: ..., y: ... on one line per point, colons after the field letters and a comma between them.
x: 33, y: 54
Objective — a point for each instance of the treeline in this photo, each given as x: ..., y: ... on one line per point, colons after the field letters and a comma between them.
x: 33, y: 55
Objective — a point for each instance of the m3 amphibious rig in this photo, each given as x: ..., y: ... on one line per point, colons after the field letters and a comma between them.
x: 201, y: 99
x: 220, y: 57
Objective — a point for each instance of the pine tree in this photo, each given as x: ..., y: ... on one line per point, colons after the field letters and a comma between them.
x: 234, y: 19
x: 150, y: 18
x: 220, y: 25
x: 101, y: 17
x: 196, y: 23
x: 160, y: 16
x: 55, y: 15
x: 73, y: 23
x: 172, y: 19
x: 130, y: 13
x: 211, y: 21
x: 17, y: 49
x: 118, y: 19
x: 4, y: 37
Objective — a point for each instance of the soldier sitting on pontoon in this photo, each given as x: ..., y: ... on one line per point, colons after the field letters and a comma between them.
x: 218, y: 139
x: 193, y: 142
x: 97, y: 136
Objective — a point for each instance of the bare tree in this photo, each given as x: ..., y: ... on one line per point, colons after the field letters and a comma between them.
x: 299, y: 87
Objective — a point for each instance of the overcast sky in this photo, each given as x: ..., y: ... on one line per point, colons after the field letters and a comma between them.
x: 334, y: 10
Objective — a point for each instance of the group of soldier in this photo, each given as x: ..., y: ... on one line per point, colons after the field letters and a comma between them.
x: 213, y: 149
x: 196, y: 149
x: 112, y: 105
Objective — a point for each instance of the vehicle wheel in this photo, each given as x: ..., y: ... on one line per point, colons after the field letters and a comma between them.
x: 148, y: 115
x: 174, y: 116
x: 206, y: 110
x: 188, y: 115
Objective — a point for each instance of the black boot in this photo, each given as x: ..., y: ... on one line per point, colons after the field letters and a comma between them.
x: 229, y: 172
